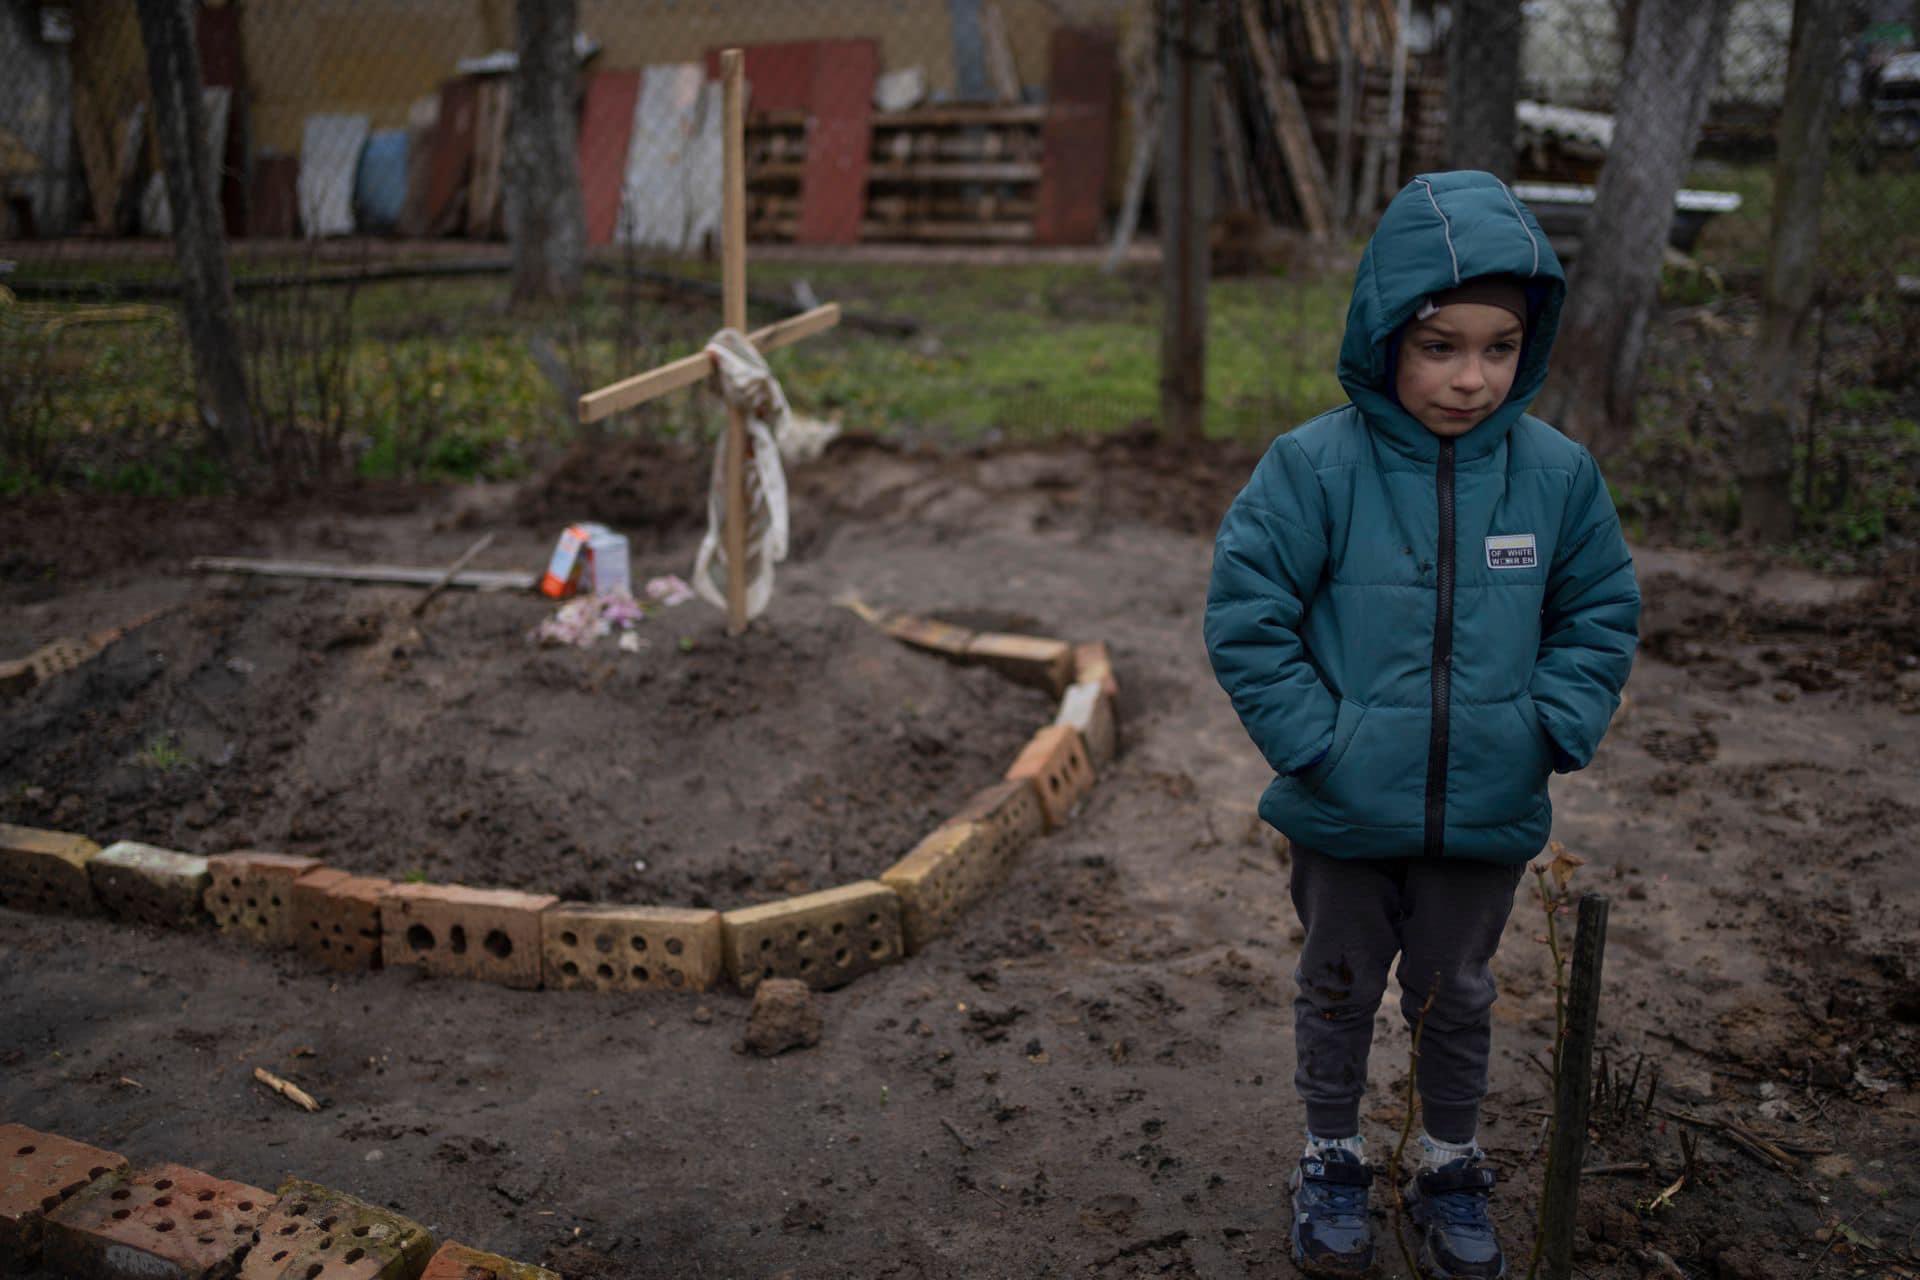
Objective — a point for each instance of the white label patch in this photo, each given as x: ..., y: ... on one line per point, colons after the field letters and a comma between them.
x: 1511, y: 551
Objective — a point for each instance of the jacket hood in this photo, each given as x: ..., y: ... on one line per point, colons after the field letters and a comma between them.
x: 1443, y: 229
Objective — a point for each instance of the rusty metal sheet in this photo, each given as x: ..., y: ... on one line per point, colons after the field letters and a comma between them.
x: 606, y: 127
x: 1082, y: 79
x: 833, y: 190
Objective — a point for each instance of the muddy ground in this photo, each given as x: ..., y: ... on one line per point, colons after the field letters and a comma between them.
x: 1091, y: 1077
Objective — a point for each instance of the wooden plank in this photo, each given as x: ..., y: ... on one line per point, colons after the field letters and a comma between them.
x: 733, y: 278
x: 96, y: 154
x: 959, y: 116
x: 957, y: 171
x: 1304, y: 170
x: 606, y: 129
x: 452, y: 153
x: 384, y: 575
x: 1002, y: 73
x: 489, y: 155
x: 1077, y: 139
x: 688, y: 370
x: 1007, y: 232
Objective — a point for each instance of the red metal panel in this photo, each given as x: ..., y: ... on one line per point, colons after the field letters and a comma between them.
x: 606, y: 127
x: 779, y: 76
x: 452, y: 153
x: 222, y: 62
x: 833, y: 191
x: 1082, y: 79
x: 271, y: 211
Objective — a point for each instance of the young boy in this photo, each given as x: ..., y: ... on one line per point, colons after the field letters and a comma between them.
x: 1421, y: 606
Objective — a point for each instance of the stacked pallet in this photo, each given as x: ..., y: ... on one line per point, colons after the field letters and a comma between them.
x: 965, y: 172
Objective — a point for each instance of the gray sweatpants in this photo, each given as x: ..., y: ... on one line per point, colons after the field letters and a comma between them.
x: 1443, y: 918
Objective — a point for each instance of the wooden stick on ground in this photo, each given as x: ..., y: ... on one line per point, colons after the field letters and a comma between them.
x: 286, y: 1088
x: 480, y: 544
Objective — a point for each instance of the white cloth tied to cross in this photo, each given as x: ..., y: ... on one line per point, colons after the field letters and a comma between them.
x: 747, y: 384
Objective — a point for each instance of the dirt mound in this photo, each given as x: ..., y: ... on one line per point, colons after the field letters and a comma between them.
x: 697, y: 772
x: 650, y: 489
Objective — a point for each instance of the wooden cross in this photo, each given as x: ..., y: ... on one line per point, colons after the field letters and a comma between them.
x: 688, y: 370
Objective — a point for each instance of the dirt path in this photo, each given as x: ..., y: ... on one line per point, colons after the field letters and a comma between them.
x: 1092, y: 1077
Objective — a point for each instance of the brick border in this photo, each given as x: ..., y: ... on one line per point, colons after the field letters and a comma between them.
x: 82, y: 1211
x: 345, y: 921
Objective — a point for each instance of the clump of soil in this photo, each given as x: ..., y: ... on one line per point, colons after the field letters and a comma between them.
x: 700, y: 771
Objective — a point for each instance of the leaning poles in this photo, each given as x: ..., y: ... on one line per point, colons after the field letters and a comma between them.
x: 687, y: 370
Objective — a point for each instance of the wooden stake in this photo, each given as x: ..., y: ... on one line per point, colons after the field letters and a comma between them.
x: 733, y: 276
x: 1573, y: 1089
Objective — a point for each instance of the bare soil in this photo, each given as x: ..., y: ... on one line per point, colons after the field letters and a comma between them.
x: 1092, y: 1076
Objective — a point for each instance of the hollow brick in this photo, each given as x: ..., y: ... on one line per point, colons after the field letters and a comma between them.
x: 492, y: 935
x: 162, y: 1221
x: 336, y: 918
x: 315, y: 1231
x: 823, y: 939
x: 1056, y: 761
x: 947, y: 872
x: 149, y: 885
x: 458, y: 1262
x: 589, y: 946
x: 1092, y: 661
x: 45, y: 870
x: 37, y: 1172
x: 250, y: 894
x: 1089, y: 708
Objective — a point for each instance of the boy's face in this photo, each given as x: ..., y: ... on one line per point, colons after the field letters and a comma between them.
x: 1456, y: 366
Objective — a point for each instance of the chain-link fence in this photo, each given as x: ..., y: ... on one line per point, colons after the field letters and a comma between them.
x: 952, y: 171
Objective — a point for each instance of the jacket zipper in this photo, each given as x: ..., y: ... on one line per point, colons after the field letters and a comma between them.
x: 1442, y: 661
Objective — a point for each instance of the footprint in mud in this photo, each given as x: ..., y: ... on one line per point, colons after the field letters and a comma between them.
x: 1110, y: 1213
x: 1675, y: 746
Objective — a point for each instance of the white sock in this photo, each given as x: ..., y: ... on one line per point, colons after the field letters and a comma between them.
x: 1356, y: 1146
x: 1434, y: 1153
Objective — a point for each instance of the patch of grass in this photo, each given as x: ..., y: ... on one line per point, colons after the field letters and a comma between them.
x: 163, y: 754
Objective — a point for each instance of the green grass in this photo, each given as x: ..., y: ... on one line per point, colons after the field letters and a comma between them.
x: 444, y: 382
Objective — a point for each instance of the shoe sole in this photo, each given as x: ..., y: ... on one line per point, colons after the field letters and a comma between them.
x: 1434, y: 1271
x: 1321, y: 1268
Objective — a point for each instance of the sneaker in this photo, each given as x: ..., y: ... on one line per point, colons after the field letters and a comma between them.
x: 1448, y: 1207
x: 1331, y: 1233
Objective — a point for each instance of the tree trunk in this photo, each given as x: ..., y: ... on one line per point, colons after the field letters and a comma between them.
x: 1766, y: 428
x: 1186, y: 215
x: 546, y: 219
x: 1658, y: 112
x: 1483, y: 79
x: 199, y: 240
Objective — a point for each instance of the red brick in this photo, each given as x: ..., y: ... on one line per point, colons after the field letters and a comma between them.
x: 1089, y: 708
x: 38, y: 1171
x: 315, y: 1231
x: 824, y: 939
x: 458, y: 1262
x: 163, y: 1221
x: 1091, y: 661
x: 452, y: 931
x: 1056, y: 761
x: 45, y: 870
x: 251, y: 894
x: 590, y: 946
x: 336, y: 918
x: 1011, y: 809
x: 140, y: 883
x: 1031, y: 660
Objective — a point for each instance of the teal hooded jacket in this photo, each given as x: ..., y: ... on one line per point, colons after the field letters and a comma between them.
x: 1416, y: 632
